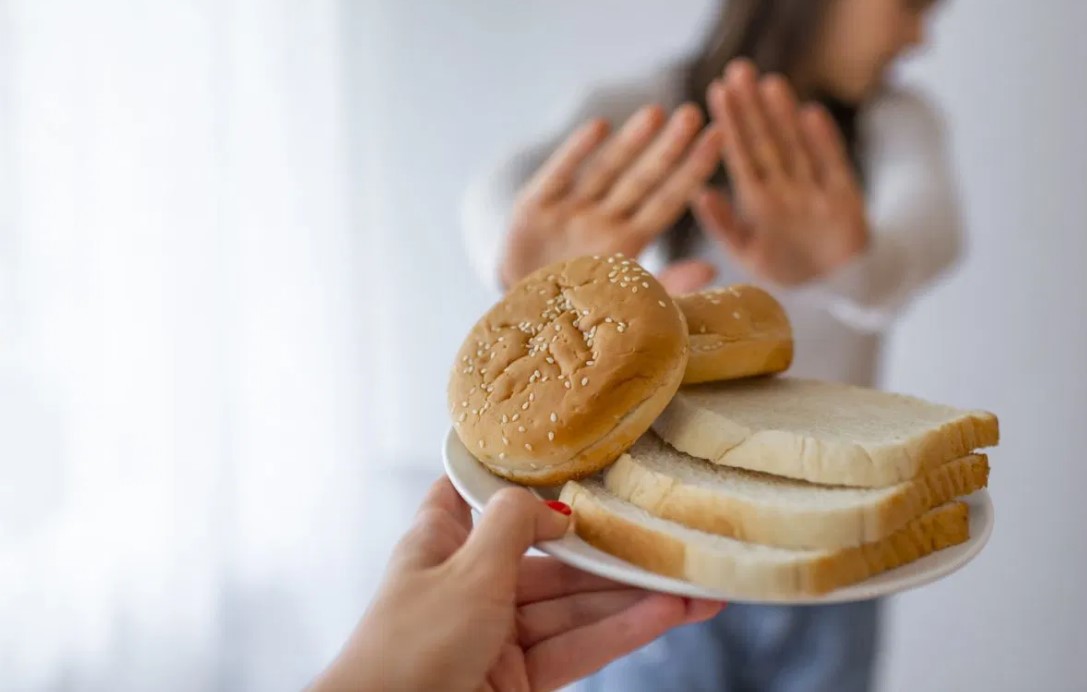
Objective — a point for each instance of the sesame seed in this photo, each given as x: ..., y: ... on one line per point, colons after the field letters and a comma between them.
x: 551, y: 435
x: 550, y: 360
x: 661, y: 303
x: 584, y: 381
x: 515, y: 417
x: 520, y: 428
x: 554, y: 417
x: 505, y: 441
x: 608, y: 320
x: 460, y: 419
x: 481, y: 444
x: 645, y: 284
x: 585, y: 312
x: 736, y: 315
x: 531, y: 396
x: 528, y: 446
x: 590, y: 362
x: 475, y: 412
x: 567, y: 383
x: 505, y: 418
x: 622, y: 328
x: 524, y: 406
x: 501, y: 455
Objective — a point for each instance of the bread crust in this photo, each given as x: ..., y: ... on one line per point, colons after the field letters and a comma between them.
x: 759, y: 518
x: 567, y: 370
x: 737, y: 331
x: 750, y: 575
x: 730, y: 423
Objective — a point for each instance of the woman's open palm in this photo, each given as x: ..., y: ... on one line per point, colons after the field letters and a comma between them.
x: 796, y: 212
x: 603, y: 194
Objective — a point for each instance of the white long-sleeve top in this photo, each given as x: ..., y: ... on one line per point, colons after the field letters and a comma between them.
x: 915, y: 230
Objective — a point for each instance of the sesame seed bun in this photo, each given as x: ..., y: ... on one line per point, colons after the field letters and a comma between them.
x: 568, y: 370
x: 735, y: 332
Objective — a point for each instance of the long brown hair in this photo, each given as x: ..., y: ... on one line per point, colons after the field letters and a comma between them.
x: 777, y: 35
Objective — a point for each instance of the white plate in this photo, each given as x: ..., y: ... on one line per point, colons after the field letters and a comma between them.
x: 476, y: 485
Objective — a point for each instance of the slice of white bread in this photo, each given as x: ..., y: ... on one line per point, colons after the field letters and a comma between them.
x: 823, y: 432
x: 750, y: 570
x: 760, y: 508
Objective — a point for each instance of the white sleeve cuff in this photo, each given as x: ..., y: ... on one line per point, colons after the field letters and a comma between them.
x: 866, y: 292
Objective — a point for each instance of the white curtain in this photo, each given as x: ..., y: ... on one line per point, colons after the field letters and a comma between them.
x: 186, y: 498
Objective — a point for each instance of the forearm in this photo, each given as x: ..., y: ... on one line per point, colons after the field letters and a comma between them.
x: 902, y: 258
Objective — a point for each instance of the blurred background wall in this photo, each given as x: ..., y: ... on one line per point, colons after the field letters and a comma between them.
x: 232, y: 279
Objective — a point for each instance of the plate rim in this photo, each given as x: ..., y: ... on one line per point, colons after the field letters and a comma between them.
x: 573, y: 550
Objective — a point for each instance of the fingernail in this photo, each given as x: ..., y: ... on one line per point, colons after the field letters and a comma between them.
x: 560, y: 507
x: 702, y: 609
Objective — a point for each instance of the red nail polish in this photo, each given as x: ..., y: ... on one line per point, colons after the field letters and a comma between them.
x: 560, y: 507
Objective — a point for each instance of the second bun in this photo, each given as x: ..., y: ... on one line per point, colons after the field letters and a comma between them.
x: 735, y: 332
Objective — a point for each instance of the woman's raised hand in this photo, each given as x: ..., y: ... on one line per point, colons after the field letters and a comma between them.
x: 795, y: 212
x: 604, y: 193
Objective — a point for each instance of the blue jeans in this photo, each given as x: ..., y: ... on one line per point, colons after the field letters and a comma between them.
x: 750, y: 648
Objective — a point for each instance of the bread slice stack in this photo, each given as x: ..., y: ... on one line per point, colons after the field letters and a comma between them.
x: 777, y: 488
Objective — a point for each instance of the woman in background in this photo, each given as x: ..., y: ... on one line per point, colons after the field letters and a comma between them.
x: 815, y: 179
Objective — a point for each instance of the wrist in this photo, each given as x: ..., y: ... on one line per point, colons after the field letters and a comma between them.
x: 522, y: 255
x: 354, y: 670
x: 854, y: 245
x: 336, y: 680
x: 507, y: 275
x: 365, y: 664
